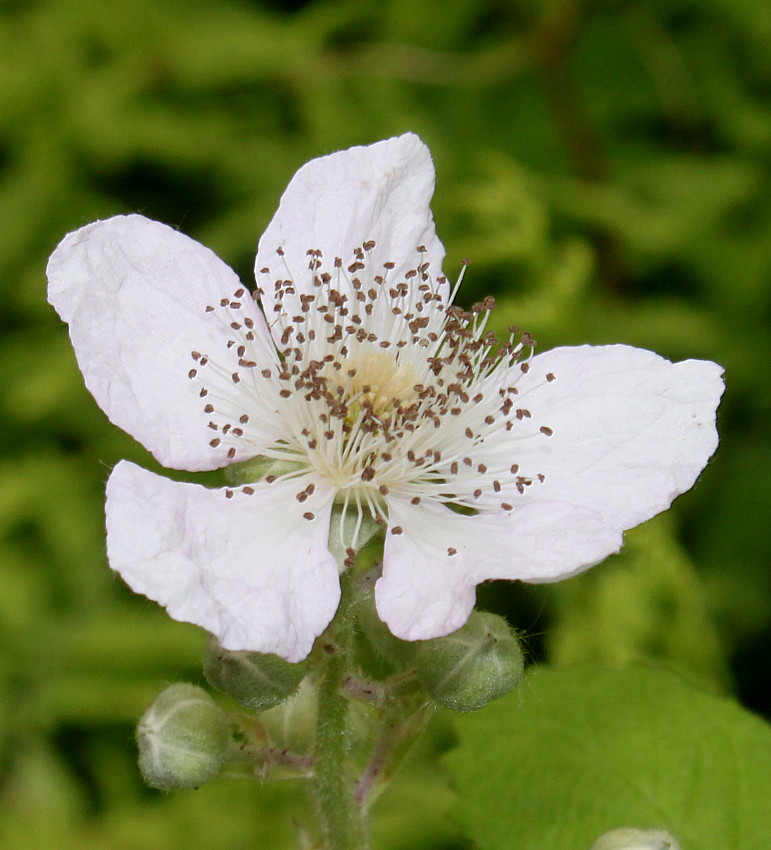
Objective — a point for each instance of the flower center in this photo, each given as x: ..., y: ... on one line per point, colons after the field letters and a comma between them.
x: 379, y: 383
x: 381, y: 387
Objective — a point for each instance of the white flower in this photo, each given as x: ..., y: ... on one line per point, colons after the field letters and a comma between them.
x: 379, y: 396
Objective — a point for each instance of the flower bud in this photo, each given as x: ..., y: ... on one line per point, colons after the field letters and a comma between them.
x: 636, y: 839
x: 183, y: 738
x: 472, y: 666
x: 255, y: 680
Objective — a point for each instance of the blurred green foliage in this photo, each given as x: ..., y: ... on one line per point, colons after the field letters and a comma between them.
x: 604, y: 165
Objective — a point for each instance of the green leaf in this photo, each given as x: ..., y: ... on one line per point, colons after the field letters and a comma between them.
x: 577, y: 753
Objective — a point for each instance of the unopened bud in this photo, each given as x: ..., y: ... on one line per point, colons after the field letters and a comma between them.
x: 255, y: 680
x: 183, y: 738
x: 468, y: 668
x: 636, y: 839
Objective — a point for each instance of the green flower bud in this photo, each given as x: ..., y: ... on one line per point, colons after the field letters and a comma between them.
x: 183, y: 738
x: 636, y: 839
x: 255, y: 680
x: 468, y: 668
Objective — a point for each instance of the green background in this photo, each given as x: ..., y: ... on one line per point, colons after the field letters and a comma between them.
x: 604, y: 166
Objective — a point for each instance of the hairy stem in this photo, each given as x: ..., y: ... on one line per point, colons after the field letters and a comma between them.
x: 341, y: 819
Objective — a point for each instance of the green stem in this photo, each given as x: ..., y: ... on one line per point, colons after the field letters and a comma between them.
x: 391, y: 750
x: 341, y: 820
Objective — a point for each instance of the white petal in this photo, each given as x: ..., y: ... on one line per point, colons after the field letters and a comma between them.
x: 134, y: 293
x: 631, y: 430
x: 251, y: 569
x: 426, y: 591
x: 338, y: 202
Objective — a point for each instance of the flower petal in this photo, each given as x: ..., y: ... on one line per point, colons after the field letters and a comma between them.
x: 251, y: 569
x: 431, y: 567
x: 336, y: 203
x: 631, y: 430
x: 135, y: 294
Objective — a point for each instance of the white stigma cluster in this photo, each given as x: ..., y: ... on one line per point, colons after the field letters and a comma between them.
x: 375, y: 384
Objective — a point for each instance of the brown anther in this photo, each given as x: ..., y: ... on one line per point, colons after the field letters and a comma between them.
x: 546, y: 430
x: 397, y: 529
x: 309, y: 516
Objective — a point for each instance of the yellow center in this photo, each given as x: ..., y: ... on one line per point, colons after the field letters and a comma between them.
x: 378, y: 381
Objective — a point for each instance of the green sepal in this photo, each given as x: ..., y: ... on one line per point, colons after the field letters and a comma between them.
x: 255, y: 680
x: 183, y: 738
x: 259, y: 467
x: 467, y: 669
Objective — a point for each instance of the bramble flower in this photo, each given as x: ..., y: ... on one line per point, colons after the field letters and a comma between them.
x: 359, y: 387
